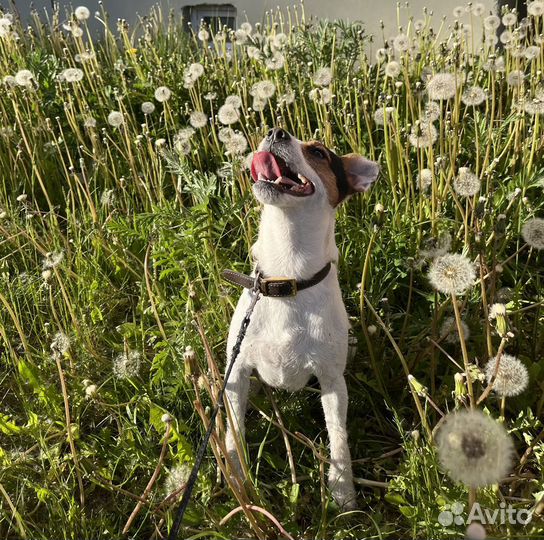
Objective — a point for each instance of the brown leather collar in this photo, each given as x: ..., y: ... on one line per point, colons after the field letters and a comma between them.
x: 278, y: 287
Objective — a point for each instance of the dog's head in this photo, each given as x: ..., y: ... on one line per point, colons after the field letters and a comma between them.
x: 289, y: 172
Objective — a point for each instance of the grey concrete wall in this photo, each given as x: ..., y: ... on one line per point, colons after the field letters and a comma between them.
x: 371, y: 12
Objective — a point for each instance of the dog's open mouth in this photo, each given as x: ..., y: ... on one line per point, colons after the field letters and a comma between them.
x: 266, y: 167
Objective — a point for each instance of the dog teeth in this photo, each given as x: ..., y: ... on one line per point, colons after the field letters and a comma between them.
x: 303, y: 179
x: 261, y: 177
x: 278, y: 180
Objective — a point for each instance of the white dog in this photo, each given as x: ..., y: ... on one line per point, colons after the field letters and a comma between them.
x: 299, y: 326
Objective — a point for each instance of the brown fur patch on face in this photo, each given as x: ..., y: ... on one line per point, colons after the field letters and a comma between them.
x: 323, y: 166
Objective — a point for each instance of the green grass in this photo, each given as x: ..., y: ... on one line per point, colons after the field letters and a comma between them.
x: 146, y: 227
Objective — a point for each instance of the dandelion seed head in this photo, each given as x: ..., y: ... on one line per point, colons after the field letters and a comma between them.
x: 466, y: 183
x: 401, y: 43
x: 263, y: 89
x: 512, y: 377
x: 392, y: 69
x: 382, y: 114
x: 198, y: 119
x: 89, y: 122
x: 323, y: 76
x: 533, y: 233
x: 246, y: 27
x: 235, y: 101
x: 107, y: 198
x: 436, y: 247
x: 196, y: 70
x: 127, y: 365
x: 424, y: 179
x: 254, y: 52
x: 9, y: 80
x: 72, y: 75
x: 24, y: 77
x: 474, y: 449
x: 275, y: 62
x: 536, y: 8
x: 432, y: 111
x: 532, y: 52
x: 82, y: 13
x: 203, y: 35
x: 452, y: 273
x: 381, y: 54
x: 240, y: 37
x: 280, y: 40
x: 148, y: 107
x: 176, y: 479
x: 287, y: 98
x: 91, y: 391
x: 423, y: 135
x: 225, y: 134
x: 228, y: 114
x: 162, y: 94
x: 458, y: 11
x: 442, y: 86
x: 77, y: 32
x: 184, y: 134
x: 515, y: 78
x: 237, y: 144
x: 52, y: 259
x: 497, y: 310
x: 509, y: 19
x: 115, y: 118
x: 449, y: 332
x: 473, y: 96
x: 477, y: 9
x: 60, y: 343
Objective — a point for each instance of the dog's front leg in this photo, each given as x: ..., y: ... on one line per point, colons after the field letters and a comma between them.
x: 334, y: 398
x: 236, y: 398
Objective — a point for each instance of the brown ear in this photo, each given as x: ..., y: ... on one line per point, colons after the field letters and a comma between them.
x: 360, y: 172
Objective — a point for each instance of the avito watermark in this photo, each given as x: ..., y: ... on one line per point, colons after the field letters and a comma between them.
x: 453, y: 514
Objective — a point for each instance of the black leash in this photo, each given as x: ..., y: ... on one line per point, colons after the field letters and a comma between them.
x: 203, y: 445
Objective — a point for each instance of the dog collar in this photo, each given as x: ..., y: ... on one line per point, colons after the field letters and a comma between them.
x: 278, y: 287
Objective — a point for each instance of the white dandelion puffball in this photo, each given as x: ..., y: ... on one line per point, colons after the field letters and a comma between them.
x: 196, y: 70
x: 177, y: 478
x: 60, y: 343
x: 436, y: 247
x: 424, y: 179
x: 198, y: 119
x: 323, y: 76
x: 474, y: 96
x: 203, y: 34
x: 275, y: 62
x: 452, y: 273
x: 515, y: 78
x: 497, y: 310
x: 280, y: 40
x: 53, y: 259
x: 184, y: 134
x: 246, y: 27
x: 492, y: 22
x: 228, y: 114
x: 392, y: 69
x: 254, y: 52
x: 24, y: 77
x: 533, y: 233
x: 432, y: 111
x: 9, y: 80
x: 225, y: 134
x: 382, y: 114
x: 148, y: 107
x: 72, y: 75
x: 423, y: 135
x: 477, y: 9
x: 442, y: 86
x: 401, y: 43
x: 162, y: 94
x: 115, y: 118
x: 235, y: 101
x: 466, y: 183
x: 449, y: 332
x: 5, y: 26
x: 458, y: 11
x: 237, y: 144
x: 89, y: 122
x: 263, y: 89
x: 509, y: 19
x: 258, y: 104
x: 474, y: 449
x: 240, y: 37
x: 126, y: 365
x: 82, y: 13
x: 77, y: 31
x: 512, y: 377
x: 536, y: 8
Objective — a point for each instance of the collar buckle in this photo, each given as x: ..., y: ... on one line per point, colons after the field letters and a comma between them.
x: 281, y: 283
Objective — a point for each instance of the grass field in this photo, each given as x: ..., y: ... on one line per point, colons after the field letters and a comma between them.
x: 125, y: 192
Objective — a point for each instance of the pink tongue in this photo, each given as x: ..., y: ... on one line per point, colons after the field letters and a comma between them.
x: 265, y: 163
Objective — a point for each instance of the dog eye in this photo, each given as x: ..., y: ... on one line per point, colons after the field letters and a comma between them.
x: 317, y: 152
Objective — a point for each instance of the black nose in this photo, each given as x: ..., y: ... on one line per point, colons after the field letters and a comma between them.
x: 277, y: 134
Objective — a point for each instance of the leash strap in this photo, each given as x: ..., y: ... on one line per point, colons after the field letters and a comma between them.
x: 279, y: 287
x: 203, y: 445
